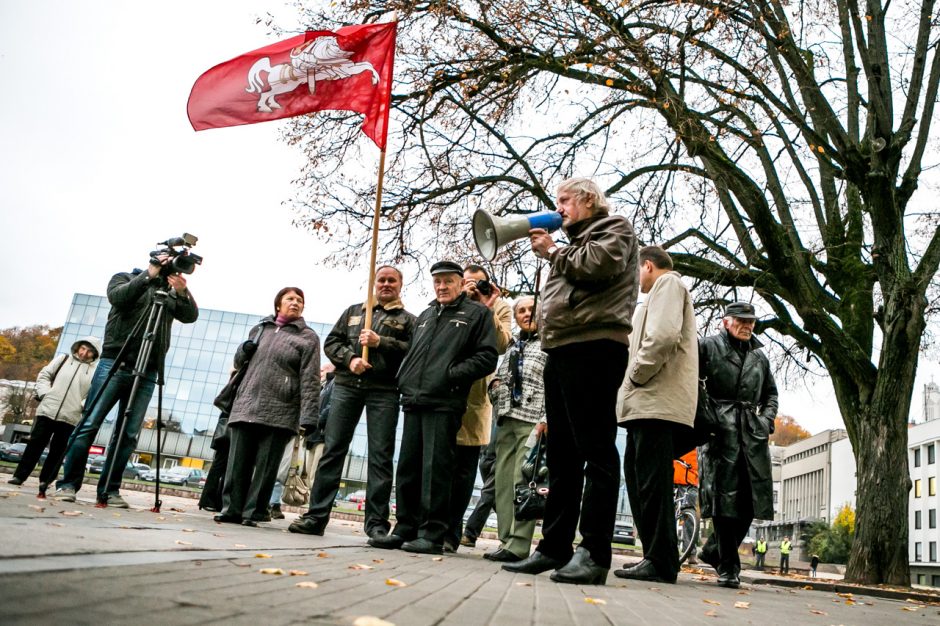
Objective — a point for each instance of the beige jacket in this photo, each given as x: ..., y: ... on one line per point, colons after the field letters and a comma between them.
x: 477, y: 421
x: 662, y: 376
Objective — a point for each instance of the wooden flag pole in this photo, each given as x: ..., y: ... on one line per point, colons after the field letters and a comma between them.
x: 370, y: 299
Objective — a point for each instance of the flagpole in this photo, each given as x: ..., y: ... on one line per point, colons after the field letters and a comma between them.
x: 370, y: 299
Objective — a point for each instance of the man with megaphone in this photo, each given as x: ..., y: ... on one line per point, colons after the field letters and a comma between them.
x: 587, y: 308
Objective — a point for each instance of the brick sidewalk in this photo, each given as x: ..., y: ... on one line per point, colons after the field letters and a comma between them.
x: 106, y: 566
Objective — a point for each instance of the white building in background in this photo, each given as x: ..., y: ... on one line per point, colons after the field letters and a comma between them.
x: 818, y: 476
x: 923, y: 442
x: 931, y: 401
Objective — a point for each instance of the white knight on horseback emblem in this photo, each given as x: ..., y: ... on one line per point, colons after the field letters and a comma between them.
x: 318, y: 59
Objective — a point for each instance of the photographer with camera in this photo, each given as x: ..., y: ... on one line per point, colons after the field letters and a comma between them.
x: 131, y: 295
x: 477, y: 422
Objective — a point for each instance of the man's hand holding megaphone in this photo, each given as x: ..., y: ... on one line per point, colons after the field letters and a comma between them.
x: 542, y: 243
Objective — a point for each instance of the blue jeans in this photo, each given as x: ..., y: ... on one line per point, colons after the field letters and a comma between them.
x: 118, y: 392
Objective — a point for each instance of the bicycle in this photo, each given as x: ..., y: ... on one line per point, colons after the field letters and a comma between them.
x: 685, y: 499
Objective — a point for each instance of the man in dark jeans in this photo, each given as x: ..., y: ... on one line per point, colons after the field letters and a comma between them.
x: 360, y: 383
x: 454, y: 344
x: 484, y: 506
x: 130, y: 295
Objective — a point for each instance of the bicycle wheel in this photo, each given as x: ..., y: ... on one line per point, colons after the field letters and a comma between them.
x: 687, y: 533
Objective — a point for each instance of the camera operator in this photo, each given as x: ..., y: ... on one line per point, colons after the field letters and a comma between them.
x: 130, y: 295
x: 477, y: 421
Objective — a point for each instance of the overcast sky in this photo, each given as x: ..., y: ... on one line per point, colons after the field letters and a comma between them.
x: 99, y: 162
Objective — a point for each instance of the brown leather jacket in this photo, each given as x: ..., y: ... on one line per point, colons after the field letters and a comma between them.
x: 591, y: 289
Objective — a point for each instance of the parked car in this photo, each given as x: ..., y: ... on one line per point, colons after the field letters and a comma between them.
x: 356, y: 496
x: 141, y: 467
x: 13, y: 453
x: 186, y: 476
x: 96, y: 466
x: 623, y: 532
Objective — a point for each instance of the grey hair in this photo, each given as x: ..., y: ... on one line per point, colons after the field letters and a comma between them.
x: 586, y: 188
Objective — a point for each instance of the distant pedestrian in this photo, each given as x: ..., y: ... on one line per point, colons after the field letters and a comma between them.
x: 61, y: 388
x: 785, y: 556
x: 760, y: 549
x: 813, y: 564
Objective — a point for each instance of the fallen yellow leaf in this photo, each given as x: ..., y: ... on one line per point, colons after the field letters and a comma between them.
x: 910, y: 608
x: 438, y: 558
x: 378, y: 560
x: 391, y: 582
x: 262, y: 555
x: 809, y: 587
x: 742, y: 605
x: 711, y: 613
x: 70, y: 513
x: 523, y: 584
x: 297, y: 572
x: 595, y: 601
x: 276, y: 571
x: 360, y: 566
x: 323, y: 555
x: 307, y: 584
x: 715, y: 602
x: 368, y: 620
x: 188, y: 530
x: 183, y: 543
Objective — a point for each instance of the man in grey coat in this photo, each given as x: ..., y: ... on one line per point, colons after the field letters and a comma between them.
x: 658, y: 398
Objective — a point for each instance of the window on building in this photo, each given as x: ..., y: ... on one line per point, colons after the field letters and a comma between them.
x: 932, y: 486
x: 917, y: 520
x: 934, y: 580
x: 918, y: 552
x: 930, y: 455
x: 933, y: 551
x: 917, y: 488
x: 922, y: 579
x: 916, y: 457
x: 932, y: 518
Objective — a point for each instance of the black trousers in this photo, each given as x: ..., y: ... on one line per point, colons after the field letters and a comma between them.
x: 425, y: 474
x: 648, y: 473
x: 346, y: 405
x: 211, y: 497
x: 461, y: 490
x: 581, y: 383
x: 487, y: 501
x: 254, y: 457
x: 784, y: 563
x: 44, y: 430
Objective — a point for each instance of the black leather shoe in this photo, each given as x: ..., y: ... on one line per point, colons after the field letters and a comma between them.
x: 250, y: 522
x: 388, y: 542
x: 15, y: 481
x: 644, y: 570
x: 449, y: 548
x: 227, y: 519
x: 581, y: 570
x: 377, y: 533
x: 710, y: 558
x: 536, y: 563
x: 306, y: 526
x: 502, y: 555
x: 729, y: 580
x: 423, y: 546
x: 276, y: 512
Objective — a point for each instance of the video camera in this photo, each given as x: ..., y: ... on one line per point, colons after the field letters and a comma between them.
x: 182, y: 261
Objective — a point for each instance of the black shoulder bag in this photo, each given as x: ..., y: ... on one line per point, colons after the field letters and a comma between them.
x: 226, y: 398
x: 531, y: 496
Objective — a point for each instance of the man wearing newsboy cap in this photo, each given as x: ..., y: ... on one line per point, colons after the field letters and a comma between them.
x: 736, y: 483
x: 454, y: 344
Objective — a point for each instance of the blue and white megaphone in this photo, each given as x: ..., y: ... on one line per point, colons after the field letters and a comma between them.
x: 491, y: 232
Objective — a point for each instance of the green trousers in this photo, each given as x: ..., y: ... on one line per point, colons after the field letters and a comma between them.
x: 511, y: 436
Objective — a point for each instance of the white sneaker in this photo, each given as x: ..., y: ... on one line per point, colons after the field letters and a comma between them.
x: 65, y: 494
x: 117, y: 502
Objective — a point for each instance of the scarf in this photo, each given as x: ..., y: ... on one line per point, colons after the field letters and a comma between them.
x: 516, y: 361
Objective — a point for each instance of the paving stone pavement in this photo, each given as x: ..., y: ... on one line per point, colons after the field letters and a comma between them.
x: 77, y: 564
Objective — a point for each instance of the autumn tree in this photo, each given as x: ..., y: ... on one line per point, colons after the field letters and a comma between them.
x: 775, y: 148
x: 26, y: 350
x: 787, y: 430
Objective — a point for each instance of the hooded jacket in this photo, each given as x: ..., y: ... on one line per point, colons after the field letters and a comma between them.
x: 281, y: 387
x: 591, y: 289
x: 61, y: 399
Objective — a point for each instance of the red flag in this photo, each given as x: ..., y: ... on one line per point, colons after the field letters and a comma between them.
x: 349, y: 69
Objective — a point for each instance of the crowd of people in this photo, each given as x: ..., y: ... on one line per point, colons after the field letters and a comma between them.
x: 583, y: 360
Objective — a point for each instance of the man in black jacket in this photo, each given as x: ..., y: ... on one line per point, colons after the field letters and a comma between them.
x: 361, y: 384
x: 454, y: 344
x: 130, y: 295
x: 736, y: 484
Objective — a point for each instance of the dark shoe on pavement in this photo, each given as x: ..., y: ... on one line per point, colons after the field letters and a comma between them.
x: 450, y: 548
x: 581, y: 570
x: 729, y: 580
x: 250, y: 522
x: 536, y: 563
x: 422, y: 545
x: 468, y: 542
x: 388, y: 542
x: 276, y: 512
x: 15, y: 481
x: 306, y: 526
x: 503, y: 556
x: 644, y: 570
x: 377, y: 533
x: 221, y: 518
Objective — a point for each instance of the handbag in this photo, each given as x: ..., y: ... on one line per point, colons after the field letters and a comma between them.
x: 295, y: 487
x: 706, y: 415
x: 530, y: 497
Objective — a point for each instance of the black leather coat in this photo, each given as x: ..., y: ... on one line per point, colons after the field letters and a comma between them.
x: 745, y: 396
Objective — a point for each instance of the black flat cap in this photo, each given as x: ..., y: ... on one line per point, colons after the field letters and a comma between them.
x: 446, y: 267
x: 741, y: 310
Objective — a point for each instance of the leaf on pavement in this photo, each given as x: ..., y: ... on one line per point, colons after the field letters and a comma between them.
x: 307, y: 584
x: 817, y: 612
x: 368, y: 620
x: 844, y: 595
x: 715, y: 602
x: 183, y: 543
x: 323, y: 555
x: 378, y: 560
x: 70, y: 513
x: 438, y: 558
x: 56, y: 524
x: 808, y: 587
x: 595, y: 601
x: 523, y: 584
x: 275, y: 571
x: 711, y: 613
x: 297, y: 572
x: 912, y: 608
x: 188, y: 530
x: 360, y: 566
x: 262, y: 555
x: 742, y: 605
x: 392, y: 582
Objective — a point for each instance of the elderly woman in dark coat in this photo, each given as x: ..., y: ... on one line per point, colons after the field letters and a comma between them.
x: 736, y: 481
x: 279, y: 393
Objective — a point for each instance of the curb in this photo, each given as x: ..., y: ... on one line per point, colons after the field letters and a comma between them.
x: 841, y: 587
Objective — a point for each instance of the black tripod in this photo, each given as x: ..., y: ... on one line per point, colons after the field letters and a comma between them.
x: 148, y: 333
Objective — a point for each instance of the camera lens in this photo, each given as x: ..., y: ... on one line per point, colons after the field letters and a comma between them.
x: 484, y: 287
